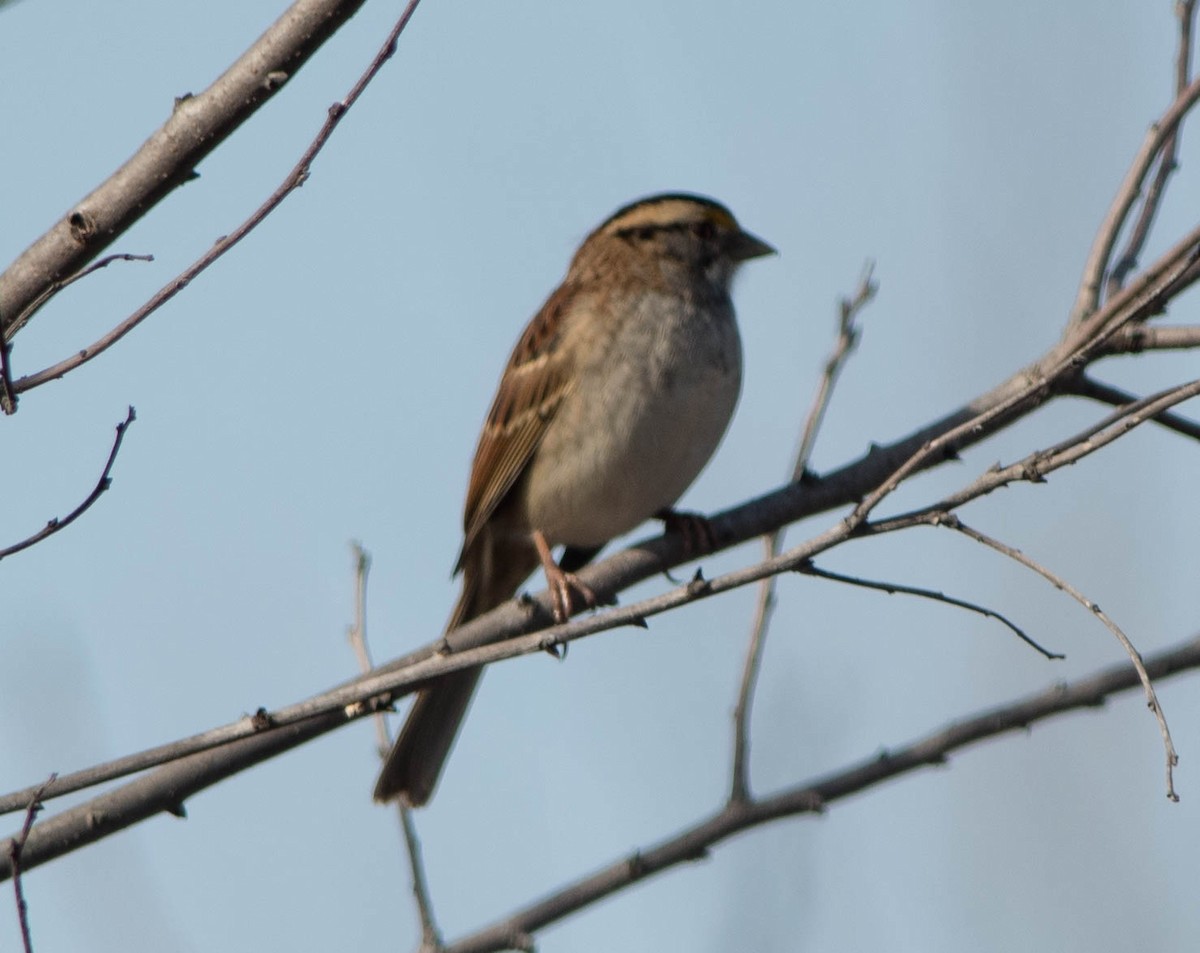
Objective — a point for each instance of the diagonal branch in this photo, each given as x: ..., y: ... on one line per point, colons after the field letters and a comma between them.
x: 294, y: 179
x: 694, y: 842
x: 266, y: 735
x: 478, y: 642
x: 1084, y: 386
x: 198, y: 124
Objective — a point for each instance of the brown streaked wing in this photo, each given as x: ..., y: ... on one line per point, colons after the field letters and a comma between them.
x: 534, y: 383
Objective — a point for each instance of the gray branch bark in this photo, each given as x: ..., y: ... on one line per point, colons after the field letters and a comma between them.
x: 197, y: 125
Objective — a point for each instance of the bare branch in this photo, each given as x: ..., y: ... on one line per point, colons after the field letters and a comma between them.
x: 694, y: 842
x: 198, y: 124
x: 357, y: 633
x: 8, y: 396
x: 967, y: 425
x: 1172, y: 759
x: 56, y: 286
x: 16, y: 847
x: 1185, y: 12
x: 1034, y: 467
x: 891, y: 588
x: 164, y: 790
x: 479, y: 641
x: 925, y: 448
x: 847, y: 340
x: 1098, y: 258
x: 105, y: 481
x: 431, y: 939
x: 1084, y: 386
x: 1134, y: 340
x: 1033, y: 386
x: 294, y: 179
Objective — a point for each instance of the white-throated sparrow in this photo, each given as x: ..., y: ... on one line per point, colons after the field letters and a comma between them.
x: 612, y: 402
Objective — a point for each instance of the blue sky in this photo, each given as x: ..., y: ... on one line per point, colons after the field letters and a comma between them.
x: 326, y: 381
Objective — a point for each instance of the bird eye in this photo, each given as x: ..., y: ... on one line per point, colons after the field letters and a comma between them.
x: 645, y: 233
x: 705, y: 230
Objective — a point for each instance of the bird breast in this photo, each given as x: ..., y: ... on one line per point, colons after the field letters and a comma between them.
x: 644, y: 417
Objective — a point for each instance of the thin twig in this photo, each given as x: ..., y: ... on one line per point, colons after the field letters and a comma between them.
x: 1082, y: 344
x: 8, y: 396
x: 1185, y: 12
x: 847, y: 340
x: 1034, y: 467
x: 891, y: 588
x: 694, y: 842
x: 431, y: 939
x: 16, y: 846
x: 1089, y: 387
x: 357, y: 633
x: 953, y: 522
x: 1088, y: 298
x: 56, y: 286
x: 105, y: 481
x: 294, y: 179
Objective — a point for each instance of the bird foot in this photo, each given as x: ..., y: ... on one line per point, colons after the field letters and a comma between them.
x: 696, y: 530
x: 562, y: 584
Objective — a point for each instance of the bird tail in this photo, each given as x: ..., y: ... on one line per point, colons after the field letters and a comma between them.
x: 492, y: 572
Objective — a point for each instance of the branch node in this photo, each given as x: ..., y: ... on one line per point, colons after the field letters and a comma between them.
x: 522, y: 941
x: 261, y: 720
x: 635, y: 865
x: 83, y: 226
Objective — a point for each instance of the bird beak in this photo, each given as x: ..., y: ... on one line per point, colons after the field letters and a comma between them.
x: 744, y: 246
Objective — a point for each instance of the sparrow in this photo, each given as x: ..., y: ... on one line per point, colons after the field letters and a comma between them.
x: 613, y: 400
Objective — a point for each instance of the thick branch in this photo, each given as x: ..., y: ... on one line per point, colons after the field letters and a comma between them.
x: 166, y: 160
x: 755, y: 518
x: 292, y: 181
x: 1137, y: 339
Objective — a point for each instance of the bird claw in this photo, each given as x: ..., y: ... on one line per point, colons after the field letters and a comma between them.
x: 562, y: 584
